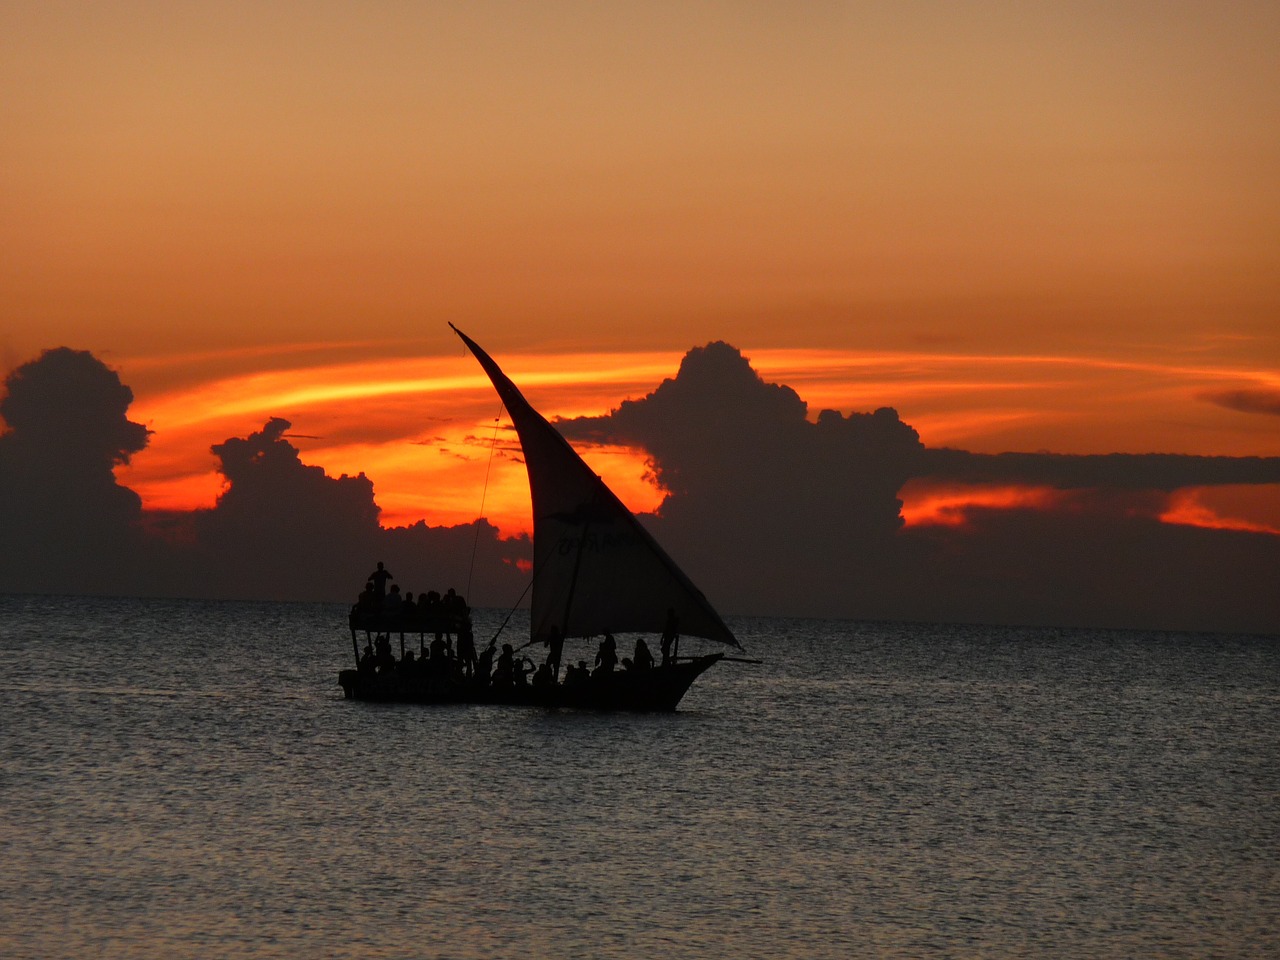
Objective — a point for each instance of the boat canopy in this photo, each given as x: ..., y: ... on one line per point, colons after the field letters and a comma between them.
x: 595, y: 568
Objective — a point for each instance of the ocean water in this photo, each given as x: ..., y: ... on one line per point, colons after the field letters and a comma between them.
x: 184, y: 779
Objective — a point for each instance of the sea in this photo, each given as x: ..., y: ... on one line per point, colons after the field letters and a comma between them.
x: 184, y: 779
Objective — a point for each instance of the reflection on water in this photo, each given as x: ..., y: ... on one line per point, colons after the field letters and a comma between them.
x: 184, y: 779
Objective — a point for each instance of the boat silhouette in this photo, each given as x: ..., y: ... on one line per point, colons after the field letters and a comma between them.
x: 596, y: 572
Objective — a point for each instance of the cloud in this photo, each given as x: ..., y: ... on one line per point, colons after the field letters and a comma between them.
x: 64, y: 521
x: 1146, y: 471
x: 67, y: 409
x: 285, y: 528
x: 281, y: 529
x: 754, y: 488
x: 1246, y: 401
x: 770, y: 511
x: 1101, y: 560
x: 280, y: 524
x: 774, y: 513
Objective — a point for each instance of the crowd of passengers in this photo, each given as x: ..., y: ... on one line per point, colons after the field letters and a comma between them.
x: 384, y: 605
x: 445, y: 662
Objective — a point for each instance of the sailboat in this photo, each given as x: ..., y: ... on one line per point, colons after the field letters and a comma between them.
x: 596, y: 572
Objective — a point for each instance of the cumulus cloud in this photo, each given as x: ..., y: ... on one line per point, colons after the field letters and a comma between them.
x: 772, y: 512
x: 283, y: 528
x: 64, y: 520
x: 755, y: 489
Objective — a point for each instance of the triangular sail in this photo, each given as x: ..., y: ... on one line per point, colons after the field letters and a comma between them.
x: 596, y: 569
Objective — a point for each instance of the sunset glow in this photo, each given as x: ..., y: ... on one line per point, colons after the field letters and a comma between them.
x: 1043, y: 229
x: 924, y: 506
x: 421, y: 427
x: 1252, y: 509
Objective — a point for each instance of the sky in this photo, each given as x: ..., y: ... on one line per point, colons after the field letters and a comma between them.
x: 1026, y: 227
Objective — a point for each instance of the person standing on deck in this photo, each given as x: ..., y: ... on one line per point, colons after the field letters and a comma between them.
x: 455, y: 610
x: 467, y: 649
x: 670, y: 634
x: 606, y: 656
x: 379, y: 579
x: 393, y: 603
x: 555, y: 647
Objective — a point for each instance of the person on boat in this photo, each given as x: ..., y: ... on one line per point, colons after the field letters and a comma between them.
x: 439, y: 649
x: 430, y: 612
x: 575, y: 676
x: 368, y: 662
x: 367, y: 602
x: 409, y: 609
x: 520, y: 671
x: 504, y: 672
x: 484, y: 664
x: 382, y: 654
x: 466, y: 649
x: 642, y: 659
x: 554, y: 642
x: 542, y: 677
x: 454, y: 609
x: 393, y: 604
x: 379, y: 579
x: 606, y: 656
x: 670, y: 636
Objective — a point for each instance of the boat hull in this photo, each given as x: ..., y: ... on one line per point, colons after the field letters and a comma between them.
x: 657, y: 690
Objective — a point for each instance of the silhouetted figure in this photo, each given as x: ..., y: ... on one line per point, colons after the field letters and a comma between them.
x: 642, y: 659
x: 555, y: 647
x: 576, y: 675
x: 368, y: 662
x: 367, y: 602
x: 382, y: 651
x: 409, y: 609
x: 484, y: 664
x: 431, y: 612
x: 542, y: 677
x: 607, y: 655
x: 454, y: 609
x: 466, y: 649
x: 504, y: 673
x: 670, y: 636
x: 393, y: 604
x: 379, y: 579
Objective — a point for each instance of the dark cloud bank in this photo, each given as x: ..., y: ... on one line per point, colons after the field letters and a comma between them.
x: 770, y: 512
x: 281, y: 530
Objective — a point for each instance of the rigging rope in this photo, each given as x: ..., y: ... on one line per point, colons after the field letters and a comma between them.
x: 475, y: 544
x: 516, y: 606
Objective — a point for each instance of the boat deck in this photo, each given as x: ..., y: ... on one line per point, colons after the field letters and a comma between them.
x: 657, y: 689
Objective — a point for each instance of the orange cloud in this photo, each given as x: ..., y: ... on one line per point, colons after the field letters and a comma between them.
x: 1255, y: 509
x: 420, y: 426
x: 924, y: 505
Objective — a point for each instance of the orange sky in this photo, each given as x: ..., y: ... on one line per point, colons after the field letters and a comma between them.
x: 423, y: 427
x: 1025, y: 225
